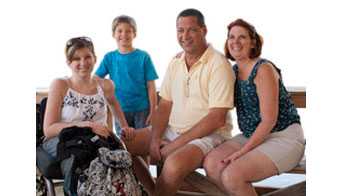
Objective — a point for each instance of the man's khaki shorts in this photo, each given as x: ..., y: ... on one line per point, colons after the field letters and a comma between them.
x: 206, y: 144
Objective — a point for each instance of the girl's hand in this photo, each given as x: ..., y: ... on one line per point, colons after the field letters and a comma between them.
x: 231, y: 158
x: 99, y: 129
x: 127, y: 133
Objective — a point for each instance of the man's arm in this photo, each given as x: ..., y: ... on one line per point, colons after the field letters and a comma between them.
x: 159, y: 124
x: 215, y: 119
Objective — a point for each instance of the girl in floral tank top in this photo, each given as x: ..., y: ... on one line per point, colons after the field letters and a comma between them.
x: 82, y: 99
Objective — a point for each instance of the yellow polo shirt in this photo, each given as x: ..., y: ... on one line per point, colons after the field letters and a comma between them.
x: 208, y: 84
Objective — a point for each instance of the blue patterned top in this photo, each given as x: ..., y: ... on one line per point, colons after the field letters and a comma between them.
x: 248, y: 108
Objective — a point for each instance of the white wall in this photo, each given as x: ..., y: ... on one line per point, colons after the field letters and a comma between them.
x: 56, y: 22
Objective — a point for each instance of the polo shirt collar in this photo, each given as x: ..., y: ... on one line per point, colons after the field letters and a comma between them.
x: 203, y: 59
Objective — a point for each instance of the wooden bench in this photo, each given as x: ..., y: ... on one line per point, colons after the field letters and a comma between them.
x: 200, y: 185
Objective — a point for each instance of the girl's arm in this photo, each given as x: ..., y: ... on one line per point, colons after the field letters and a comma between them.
x: 52, y: 119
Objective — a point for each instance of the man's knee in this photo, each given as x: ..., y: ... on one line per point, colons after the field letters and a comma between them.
x: 210, y: 165
x: 173, y: 169
x: 232, y: 178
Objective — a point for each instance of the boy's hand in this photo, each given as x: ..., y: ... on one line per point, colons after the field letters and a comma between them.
x: 148, y: 119
x: 127, y: 133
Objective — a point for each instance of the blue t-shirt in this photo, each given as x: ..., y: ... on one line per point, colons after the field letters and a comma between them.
x: 130, y: 73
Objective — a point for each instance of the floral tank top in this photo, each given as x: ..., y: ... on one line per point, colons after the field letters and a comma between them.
x: 248, y: 108
x: 78, y: 107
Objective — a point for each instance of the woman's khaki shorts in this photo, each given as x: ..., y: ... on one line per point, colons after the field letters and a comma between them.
x: 285, y: 148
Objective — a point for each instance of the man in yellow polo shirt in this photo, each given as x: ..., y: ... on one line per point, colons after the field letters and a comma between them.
x: 192, y: 116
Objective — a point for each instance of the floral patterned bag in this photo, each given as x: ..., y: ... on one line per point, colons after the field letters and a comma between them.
x: 110, y: 173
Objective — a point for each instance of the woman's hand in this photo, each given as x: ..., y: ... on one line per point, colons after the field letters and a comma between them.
x: 127, y: 133
x: 231, y: 158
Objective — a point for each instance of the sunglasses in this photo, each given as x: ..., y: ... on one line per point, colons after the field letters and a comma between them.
x: 78, y: 40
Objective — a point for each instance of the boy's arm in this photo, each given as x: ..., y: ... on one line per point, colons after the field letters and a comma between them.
x: 152, y: 99
x: 113, y: 103
x: 102, y: 70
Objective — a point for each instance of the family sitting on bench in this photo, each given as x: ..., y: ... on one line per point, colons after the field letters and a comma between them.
x: 191, y: 126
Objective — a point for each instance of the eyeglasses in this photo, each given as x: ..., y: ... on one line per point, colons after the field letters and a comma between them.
x: 187, y: 86
x: 75, y: 40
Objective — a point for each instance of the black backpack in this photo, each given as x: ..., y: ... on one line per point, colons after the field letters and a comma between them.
x: 83, y: 143
x: 40, y: 112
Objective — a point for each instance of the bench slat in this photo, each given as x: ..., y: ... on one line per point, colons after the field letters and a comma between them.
x: 294, y: 190
x: 300, y: 168
x: 200, y: 182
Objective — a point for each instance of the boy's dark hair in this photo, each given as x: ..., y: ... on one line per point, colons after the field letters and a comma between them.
x: 124, y: 19
x: 193, y: 12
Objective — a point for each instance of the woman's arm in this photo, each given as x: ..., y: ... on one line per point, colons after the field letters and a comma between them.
x: 52, y: 119
x: 267, y: 87
x: 152, y: 100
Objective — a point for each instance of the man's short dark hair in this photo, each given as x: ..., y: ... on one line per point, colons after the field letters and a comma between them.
x: 193, y: 12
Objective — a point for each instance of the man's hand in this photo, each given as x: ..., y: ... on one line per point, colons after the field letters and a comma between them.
x: 154, y: 150
x: 167, y: 149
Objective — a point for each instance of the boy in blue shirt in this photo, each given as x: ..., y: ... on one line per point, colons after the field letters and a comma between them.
x: 133, y: 74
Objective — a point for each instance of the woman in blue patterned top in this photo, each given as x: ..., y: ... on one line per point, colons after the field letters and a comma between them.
x: 272, y: 139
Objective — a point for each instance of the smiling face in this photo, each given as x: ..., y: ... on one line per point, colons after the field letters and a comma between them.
x: 124, y: 34
x: 239, y: 43
x: 82, y: 62
x: 190, y: 34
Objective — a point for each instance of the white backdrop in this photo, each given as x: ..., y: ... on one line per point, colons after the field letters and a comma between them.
x: 55, y: 22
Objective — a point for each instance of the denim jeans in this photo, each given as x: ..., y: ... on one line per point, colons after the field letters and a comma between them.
x: 50, y: 146
x: 134, y: 119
